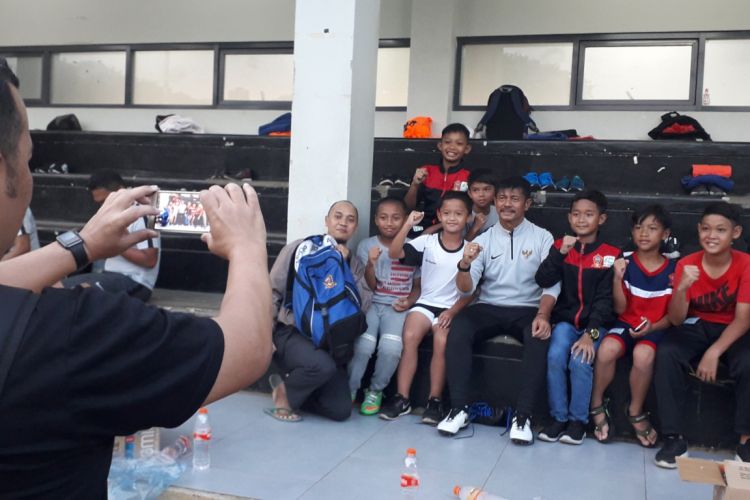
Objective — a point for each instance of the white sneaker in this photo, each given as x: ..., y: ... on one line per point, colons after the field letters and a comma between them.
x: 520, y: 431
x: 457, y: 419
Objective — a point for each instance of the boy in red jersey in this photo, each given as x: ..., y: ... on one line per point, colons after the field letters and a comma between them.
x: 431, y: 182
x: 711, y: 305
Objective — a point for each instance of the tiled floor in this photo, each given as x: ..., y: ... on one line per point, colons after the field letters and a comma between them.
x: 258, y: 457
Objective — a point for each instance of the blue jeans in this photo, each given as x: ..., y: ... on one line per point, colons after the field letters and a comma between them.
x: 559, y: 364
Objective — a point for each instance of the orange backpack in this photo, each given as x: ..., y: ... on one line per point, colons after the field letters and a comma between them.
x: 419, y: 127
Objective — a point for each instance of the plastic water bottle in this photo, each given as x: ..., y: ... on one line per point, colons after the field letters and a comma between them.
x: 180, y: 447
x: 474, y: 493
x: 202, y: 441
x: 706, y: 98
x: 410, y: 476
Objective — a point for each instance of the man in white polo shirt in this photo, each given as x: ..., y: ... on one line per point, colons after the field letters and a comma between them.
x: 135, y: 270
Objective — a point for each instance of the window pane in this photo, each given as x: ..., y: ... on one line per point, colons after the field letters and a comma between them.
x: 88, y: 78
x: 28, y: 69
x: 392, y: 87
x: 258, y: 77
x: 173, y: 77
x: 726, y: 72
x: 542, y: 70
x: 637, y: 73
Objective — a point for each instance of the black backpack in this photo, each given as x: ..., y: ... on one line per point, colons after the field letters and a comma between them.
x: 680, y: 127
x: 64, y: 122
x: 507, y: 115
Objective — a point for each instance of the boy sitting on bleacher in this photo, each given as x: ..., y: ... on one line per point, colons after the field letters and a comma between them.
x: 711, y: 306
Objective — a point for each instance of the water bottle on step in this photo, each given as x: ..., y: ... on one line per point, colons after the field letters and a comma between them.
x: 201, y: 441
x: 410, y: 476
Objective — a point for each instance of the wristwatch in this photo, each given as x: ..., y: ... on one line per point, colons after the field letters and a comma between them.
x: 71, y: 241
x: 593, y: 333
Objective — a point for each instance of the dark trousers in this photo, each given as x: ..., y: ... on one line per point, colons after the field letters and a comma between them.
x: 313, y: 381
x: 684, y: 345
x: 480, y: 322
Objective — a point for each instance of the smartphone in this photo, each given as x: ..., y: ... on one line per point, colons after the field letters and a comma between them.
x: 640, y: 327
x: 179, y: 212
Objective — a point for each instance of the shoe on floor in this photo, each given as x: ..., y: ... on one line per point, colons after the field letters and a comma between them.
x: 532, y: 178
x: 576, y: 184
x: 520, y: 430
x: 396, y: 407
x: 700, y: 191
x: 371, y: 403
x: 574, y: 433
x: 553, y: 432
x: 743, y: 452
x: 399, y: 182
x: 457, y: 419
x: 564, y: 184
x: 674, y: 447
x: 433, y: 412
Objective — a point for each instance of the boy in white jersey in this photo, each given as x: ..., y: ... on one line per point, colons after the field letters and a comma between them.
x: 438, y: 255
x: 395, y: 289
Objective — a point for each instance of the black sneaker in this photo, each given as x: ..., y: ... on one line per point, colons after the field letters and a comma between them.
x: 574, y: 433
x: 743, y: 451
x: 396, y: 407
x: 553, y: 432
x: 674, y: 446
x: 433, y: 412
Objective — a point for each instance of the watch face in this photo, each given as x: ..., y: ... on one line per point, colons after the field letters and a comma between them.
x: 68, y: 239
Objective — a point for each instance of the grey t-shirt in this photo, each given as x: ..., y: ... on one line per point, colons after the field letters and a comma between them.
x: 394, y: 280
x: 492, y: 219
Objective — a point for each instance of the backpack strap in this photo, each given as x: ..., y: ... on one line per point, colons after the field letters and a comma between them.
x: 491, y: 107
x: 515, y: 97
x: 290, y: 280
x: 19, y: 304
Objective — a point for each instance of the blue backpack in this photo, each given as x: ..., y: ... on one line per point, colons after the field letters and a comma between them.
x: 324, y: 297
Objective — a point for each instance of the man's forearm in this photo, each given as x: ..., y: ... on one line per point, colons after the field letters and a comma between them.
x: 546, y: 304
x: 144, y: 258
x: 50, y: 264
x: 464, y: 282
x: 411, y: 196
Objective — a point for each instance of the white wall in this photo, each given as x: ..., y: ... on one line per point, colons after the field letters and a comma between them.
x: 68, y: 22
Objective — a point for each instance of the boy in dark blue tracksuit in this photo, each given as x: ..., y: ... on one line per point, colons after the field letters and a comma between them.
x: 584, y: 266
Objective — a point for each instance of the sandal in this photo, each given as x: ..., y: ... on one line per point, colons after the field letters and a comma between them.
x: 598, y: 428
x: 282, y: 414
x: 641, y: 433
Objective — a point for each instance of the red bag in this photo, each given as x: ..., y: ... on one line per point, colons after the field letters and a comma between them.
x: 419, y: 127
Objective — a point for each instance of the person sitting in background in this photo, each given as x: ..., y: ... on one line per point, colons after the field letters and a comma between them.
x: 135, y: 270
x: 27, y: 238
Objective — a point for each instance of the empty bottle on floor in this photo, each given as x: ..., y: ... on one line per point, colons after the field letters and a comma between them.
x: 202, y: 441
x: 410, y: 476
x: 180, y: 447
x: 474, y: 493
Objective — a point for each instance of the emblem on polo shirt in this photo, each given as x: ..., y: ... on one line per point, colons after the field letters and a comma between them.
x: 609, y: 261
x: 597, y: 261
x: 328, y: 283
x: 526, y: 253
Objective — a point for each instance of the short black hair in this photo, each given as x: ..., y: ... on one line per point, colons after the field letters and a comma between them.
x: 483, y: 175
x: 594, y: 196
x: 457, y: 195
x: 658, y: 212
x: 456, y: 128
x: 10, y: 115
x: 106, y: 179
x: 728, y: 210
x: 393, y: 200
x: 514, y: 182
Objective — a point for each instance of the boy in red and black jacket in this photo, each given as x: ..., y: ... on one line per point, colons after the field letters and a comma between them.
x: 584, y: 266
x: 431, y: 182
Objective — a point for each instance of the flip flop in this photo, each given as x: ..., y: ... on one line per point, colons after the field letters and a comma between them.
x: 282, y: 414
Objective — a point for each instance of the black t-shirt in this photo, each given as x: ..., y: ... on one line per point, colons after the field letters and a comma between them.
x: 91, y: 366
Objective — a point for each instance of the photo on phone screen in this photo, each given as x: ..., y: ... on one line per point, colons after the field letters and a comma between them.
x: 181, y: 212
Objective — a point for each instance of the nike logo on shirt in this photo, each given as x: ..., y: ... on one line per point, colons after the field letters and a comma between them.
x: 493, y: 257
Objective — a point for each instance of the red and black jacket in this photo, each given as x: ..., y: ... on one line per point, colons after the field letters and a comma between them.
x: 436, y: 184
x: 586, y: 272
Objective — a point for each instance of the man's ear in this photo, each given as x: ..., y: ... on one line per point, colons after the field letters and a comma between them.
x: 527, y: 203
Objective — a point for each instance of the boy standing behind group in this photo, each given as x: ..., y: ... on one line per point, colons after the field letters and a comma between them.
x: 482, y: 193
x: 431, y: 182
x: 395, y: 289
x: 584, y: 266
x: 439, y: 301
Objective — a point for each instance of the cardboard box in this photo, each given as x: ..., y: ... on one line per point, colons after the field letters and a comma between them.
x: 145, y: 443
x: 731, y: 478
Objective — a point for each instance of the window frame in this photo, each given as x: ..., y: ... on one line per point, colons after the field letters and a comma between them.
x: 219, y: 49
x: 694, y: 103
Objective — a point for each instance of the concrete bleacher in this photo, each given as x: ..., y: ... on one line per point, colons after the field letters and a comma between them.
x: 631, y: 173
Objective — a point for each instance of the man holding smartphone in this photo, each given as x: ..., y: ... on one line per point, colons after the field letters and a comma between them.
x: 78, y: 367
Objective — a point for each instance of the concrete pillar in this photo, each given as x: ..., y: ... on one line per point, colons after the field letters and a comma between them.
x: 333, y: 111
x: 431, y: 61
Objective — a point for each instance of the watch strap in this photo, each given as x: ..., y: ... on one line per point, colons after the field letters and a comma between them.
x: 77, y: 249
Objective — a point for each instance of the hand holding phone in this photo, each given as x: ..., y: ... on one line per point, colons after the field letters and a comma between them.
x: 642, y: 328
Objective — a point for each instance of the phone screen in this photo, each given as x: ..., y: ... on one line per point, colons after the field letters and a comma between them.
x: 181, y: 212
